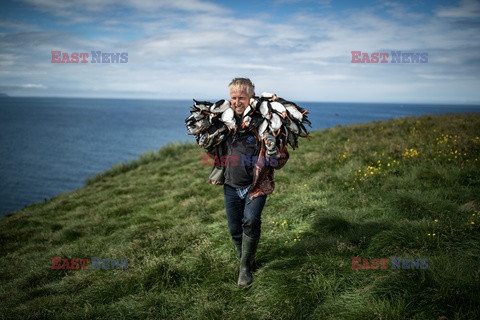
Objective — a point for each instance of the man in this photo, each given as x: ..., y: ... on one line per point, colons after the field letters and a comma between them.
x: 247, y: 177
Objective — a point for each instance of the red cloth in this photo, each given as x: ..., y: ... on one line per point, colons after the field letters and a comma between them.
x: 263, y: 181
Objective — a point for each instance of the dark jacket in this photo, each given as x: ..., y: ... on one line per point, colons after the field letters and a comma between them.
x: 263, y: 178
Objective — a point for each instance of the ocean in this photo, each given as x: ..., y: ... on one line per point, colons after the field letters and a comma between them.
x: 50, y: 146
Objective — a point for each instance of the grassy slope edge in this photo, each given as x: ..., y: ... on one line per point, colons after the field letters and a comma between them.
x: 400, y: 188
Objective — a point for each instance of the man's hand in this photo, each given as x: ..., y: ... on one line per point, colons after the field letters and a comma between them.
x: 270, y: 144
x: 205, y: 140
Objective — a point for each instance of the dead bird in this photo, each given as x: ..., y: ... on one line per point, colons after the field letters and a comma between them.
x: 275, y: 124
x: 220, y: 106
x: 270, y: 115
x: 228, y: 118
x: 266, y: 109
x: 279, y: 108
x: 202, y: 105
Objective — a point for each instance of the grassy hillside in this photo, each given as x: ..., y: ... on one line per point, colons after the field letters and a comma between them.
x: 405, y: 188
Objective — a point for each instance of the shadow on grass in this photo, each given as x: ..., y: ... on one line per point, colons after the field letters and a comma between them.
x: 357, y: 234
x: 328, y: 235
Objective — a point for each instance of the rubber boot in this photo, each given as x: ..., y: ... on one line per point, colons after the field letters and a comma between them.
x: 253, y: 264
x: 238, y: 246
x: 249, y: 248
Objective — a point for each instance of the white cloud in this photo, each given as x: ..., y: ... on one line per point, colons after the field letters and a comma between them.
x: 466, y: 9
x: 193, y: 48
x: 77, y: 9
x: 33, y: 86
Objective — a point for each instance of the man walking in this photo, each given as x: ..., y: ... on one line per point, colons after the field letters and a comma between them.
x: 247, y: 178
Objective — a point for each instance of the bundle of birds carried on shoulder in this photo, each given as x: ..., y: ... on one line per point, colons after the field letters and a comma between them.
x: 268, y: 115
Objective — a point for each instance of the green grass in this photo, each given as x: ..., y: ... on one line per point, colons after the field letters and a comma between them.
x: 400, y: 188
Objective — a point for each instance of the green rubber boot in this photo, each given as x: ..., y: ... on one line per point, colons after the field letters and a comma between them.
x: 238, y: 246
x: 249, y: 248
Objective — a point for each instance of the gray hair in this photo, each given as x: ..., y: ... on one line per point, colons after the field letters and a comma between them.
x: 243, y: 84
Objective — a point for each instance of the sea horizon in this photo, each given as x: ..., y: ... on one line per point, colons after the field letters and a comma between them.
x: 447, y: 103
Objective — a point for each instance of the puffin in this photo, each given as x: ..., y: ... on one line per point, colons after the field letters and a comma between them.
x: 267, y: 115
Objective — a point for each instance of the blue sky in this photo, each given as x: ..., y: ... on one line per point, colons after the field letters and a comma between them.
x: 300, y: 49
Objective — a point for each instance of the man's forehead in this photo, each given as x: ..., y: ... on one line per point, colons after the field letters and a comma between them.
x: 238, y: 92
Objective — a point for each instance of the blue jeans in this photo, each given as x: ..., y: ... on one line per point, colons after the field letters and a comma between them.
x: 243, y: 215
